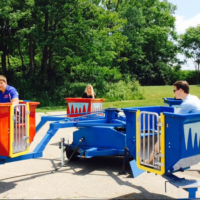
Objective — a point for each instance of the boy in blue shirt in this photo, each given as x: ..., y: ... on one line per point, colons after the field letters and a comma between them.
x: 7, y: 92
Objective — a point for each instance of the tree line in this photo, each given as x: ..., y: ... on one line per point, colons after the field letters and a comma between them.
x: 51, y: 49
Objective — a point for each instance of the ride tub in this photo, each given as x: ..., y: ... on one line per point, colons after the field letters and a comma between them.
x: 175, y: 103
x: 80, y: 106
x: 17, y: 128
x: 177, y: 136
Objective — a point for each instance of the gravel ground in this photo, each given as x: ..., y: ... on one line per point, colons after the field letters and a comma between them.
x: 95, y: 178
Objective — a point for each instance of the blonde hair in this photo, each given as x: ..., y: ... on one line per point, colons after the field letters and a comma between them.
x: 92, y: 91
x: 3, y: 78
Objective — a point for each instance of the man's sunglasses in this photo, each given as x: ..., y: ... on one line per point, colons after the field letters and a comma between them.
x: 174, y: 91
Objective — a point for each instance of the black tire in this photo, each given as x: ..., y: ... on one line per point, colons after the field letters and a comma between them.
x: 74, y: 157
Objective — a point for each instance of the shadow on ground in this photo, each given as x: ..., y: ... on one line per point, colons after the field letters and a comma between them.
x: 143, y: 195
x: 104, y: 163
x: 110, y: 165
x: 81, y: 167
x: 4, y: 186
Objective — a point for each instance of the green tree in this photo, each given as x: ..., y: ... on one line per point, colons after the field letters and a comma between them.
x: 51, y: 45
x: 14, y: 19
x: 190, y: 45
x: 5, y: 33
x: 150, y: 30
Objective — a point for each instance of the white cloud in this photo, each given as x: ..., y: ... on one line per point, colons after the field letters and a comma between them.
x: 182, y: 24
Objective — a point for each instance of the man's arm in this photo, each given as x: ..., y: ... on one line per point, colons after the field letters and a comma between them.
x: 14, y: 96
x: 185, y: 108
x: 15, y: 101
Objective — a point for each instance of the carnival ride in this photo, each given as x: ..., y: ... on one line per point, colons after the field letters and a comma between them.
x: 128, y: 132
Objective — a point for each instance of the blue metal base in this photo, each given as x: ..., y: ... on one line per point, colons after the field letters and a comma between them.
x: 89, y: 152
x: 38, y: 151
x: 135, y: 170
x: 103, y: 140
x: 192, y: 192
x: 52, y: 118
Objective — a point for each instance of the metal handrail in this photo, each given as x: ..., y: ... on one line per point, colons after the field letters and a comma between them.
x: 148, y: 127
x: 20, y: 128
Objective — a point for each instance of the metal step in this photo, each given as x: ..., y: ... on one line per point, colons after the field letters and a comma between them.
x: 182, y: 182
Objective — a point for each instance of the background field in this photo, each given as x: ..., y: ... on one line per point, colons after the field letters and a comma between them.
x: 152, y: 96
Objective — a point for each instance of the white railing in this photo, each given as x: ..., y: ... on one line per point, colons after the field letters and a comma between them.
x: 20, y: 128
x: 149, y: 139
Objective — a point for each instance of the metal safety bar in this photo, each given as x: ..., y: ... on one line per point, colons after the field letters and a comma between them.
x: 87, y: 115
x: 149, y: 139
x: 20, y: 128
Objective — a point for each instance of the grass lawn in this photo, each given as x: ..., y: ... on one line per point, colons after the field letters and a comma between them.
x: 152, y: 96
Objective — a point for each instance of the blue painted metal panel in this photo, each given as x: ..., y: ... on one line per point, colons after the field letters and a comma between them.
x: 99, y: 137
x: 135, y: 170
x: 182, y: 141
x: 41, y: 146
x: 131, y: 130
x: 45, y: 119
x: 102, y: 152
x: 20, y: 158
x: 90, y: 116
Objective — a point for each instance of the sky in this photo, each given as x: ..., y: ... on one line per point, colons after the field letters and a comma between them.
x: 187, y: 15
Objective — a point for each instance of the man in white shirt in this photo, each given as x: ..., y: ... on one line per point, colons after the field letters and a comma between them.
x: 191, y: 103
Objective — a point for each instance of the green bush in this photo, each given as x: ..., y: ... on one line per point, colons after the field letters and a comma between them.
x: 113, y: 92
x: 76, y: 89
x: 48, y: 93
x: 107, y: 84
x: 123, y: 91
x: 190, y: 76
